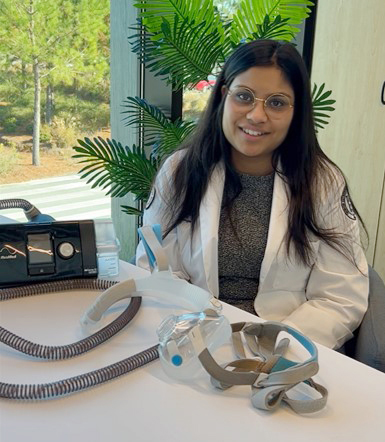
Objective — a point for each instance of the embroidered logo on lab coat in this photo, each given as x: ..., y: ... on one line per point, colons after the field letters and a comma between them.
x: 346, y: 204
x: 151, y: 198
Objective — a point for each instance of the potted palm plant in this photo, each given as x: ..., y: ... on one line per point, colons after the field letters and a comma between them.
x: 184, y: 41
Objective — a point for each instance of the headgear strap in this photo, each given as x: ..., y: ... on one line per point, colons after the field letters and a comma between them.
x: 270, y: 376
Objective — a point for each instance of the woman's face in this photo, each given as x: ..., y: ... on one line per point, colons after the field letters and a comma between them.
x: 255, y: 132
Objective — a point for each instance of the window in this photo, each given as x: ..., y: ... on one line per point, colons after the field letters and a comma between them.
x: 54, y: 89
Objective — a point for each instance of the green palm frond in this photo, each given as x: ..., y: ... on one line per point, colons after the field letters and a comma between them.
x: 275, y: 29
x: 152, y: 13
x: 252, y: 13
x: 173, y: 138
x: 295, y: 10
x: 321, y: 105
x: 129, y: 210
x: 182, y: 52
x: 160, y: 132
x: 145, y: 116
x: 118, y: 169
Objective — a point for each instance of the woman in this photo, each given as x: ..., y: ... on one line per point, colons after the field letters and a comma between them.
x: 253, y: 210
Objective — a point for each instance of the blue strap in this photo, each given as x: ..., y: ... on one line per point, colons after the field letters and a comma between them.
x: 158, y: 233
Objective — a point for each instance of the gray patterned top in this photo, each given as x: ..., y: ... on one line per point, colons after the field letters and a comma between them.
x: 239, y: 259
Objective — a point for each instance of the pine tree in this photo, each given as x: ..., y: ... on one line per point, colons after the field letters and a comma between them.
x: 54, y: 41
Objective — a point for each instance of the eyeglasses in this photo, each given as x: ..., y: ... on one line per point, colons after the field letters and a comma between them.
x: 244, y: 99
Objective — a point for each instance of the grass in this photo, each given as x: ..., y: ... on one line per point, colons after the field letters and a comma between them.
x: 9, y: 159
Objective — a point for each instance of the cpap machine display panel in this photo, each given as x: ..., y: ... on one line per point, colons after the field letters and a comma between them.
x: 39, y: 252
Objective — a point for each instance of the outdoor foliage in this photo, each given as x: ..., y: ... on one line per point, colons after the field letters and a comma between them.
x: 185, y: 41
x: 49, y: 46
x: 9, y: 158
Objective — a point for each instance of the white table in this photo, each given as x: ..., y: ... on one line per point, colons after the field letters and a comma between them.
x: 145, y: 405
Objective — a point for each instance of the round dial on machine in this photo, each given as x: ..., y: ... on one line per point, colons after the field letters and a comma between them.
x: 66, y: 250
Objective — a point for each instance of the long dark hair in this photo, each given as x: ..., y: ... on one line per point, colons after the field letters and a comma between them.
x: 299, y: 160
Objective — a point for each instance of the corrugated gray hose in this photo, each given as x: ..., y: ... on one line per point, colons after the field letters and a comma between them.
x: 30, y: 210
x: 16, y: 203
x: 84, y: 381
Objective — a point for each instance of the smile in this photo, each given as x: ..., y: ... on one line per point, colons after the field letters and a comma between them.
x: 253, y: 132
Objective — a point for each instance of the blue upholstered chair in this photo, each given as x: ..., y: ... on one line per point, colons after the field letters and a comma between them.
x: 368, y: 345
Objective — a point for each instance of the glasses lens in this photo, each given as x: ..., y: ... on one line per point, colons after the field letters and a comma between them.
x: 277, y: 103
x: 242, y: 97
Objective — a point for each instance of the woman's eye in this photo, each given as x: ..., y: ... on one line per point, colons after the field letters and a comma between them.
x: 245, y: 96
x: 276, y: 102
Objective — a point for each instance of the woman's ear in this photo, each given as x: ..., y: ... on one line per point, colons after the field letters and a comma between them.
x: 224, y: 90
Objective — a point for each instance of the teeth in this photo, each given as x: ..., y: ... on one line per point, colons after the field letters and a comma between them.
x: 252, y: 132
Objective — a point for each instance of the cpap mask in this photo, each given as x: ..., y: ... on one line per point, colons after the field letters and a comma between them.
x: 161, y: 284
x: 187, y: 341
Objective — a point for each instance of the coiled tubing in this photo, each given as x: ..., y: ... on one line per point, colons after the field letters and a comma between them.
x: 83, y: 381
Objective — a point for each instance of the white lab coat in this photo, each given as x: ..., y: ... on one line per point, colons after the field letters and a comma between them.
x: 325, y: 301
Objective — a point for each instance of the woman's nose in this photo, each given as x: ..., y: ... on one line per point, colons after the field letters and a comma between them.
x: 258, y: 113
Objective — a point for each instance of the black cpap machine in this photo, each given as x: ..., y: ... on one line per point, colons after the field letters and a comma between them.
x: 45, y: 250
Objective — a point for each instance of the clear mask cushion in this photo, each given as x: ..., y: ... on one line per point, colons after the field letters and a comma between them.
x: 176, y: 350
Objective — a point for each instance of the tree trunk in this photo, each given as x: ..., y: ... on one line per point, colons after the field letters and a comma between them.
x: 36, y: 115
x: 49, y: 104
x: 76, y: 89
x: 24, y: 75
x: 36, y: 81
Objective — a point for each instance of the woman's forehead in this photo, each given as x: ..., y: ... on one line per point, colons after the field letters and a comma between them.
x: 264, y: 80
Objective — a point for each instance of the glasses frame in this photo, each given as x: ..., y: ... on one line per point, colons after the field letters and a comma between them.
x: 263, y: 100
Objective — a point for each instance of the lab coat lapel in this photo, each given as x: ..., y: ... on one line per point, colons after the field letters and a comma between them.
x: 277, y: 226
x: 210, y: 210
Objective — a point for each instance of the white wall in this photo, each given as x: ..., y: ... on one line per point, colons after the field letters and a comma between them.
x: 349, y: 56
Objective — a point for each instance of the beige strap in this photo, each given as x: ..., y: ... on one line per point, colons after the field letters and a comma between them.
x: 269, y: 387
